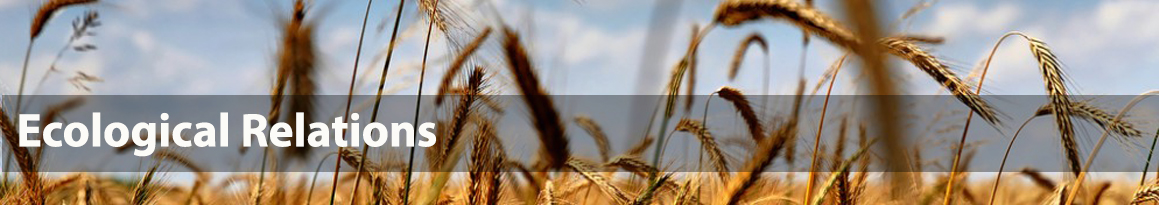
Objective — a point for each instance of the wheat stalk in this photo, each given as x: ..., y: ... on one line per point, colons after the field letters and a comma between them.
x: 377, y: 102
x: 46, y: 11
x: 1097, y: 115
x: 640, y: 147
x: 144, y: 191
x: 691, y: 61
x: 650, y: 193
x: 1055, y: 88
x: 738, y: 56
x: 457, y: 64
x: 673, y: 89
x: 1099, y: 145
x: 350, y: 95
x: 599, y: 180
x: 941, y: 73
x: 745, y: 109
x: 1149, y: 193
x: 547, y: 121
x: 842, y: 169
x: 708, y: 143
x: 743, y: 181
x: 593, y: 129
x: 632, y: 164
x: 29, y: 167
x: 736, y: 12
x: 461, y: 115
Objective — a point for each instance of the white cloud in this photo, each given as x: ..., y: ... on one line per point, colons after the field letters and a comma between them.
x: 8, y: 4
x: 966, y: 19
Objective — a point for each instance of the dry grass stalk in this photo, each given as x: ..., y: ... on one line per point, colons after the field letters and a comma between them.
x: 597, y: 134
x: 708, y: 143
x: 1097, y: 115
x: 738, y: 56
x: 457, y: 64
x: 745, y: 109
x: 601, y: 182
x: 554, y: 149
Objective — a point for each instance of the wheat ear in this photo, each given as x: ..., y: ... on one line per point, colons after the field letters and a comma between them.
x: 548, y: 124
x: 708, y: 143
x: 745, y: 109
x: 738, y: 56
x: 1099, y: 145
x: 598, y: 135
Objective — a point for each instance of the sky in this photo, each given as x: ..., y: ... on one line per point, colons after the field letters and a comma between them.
x: 583, y: 47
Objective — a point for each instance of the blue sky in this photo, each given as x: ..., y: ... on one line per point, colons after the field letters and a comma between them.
x: 589, y: 47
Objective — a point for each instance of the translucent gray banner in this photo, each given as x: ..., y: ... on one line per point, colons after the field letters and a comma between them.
x: 931, y: 128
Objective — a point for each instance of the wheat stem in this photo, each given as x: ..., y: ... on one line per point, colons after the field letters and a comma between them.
x: 314, y: 179
x: 998, y: 179
x: 1150, y: 153
x: 349, y: 97
x: 674, y: 89
x: 817, y: 139
x: 378, y: 101
x: 418, y: 100
x: 842, y: 169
